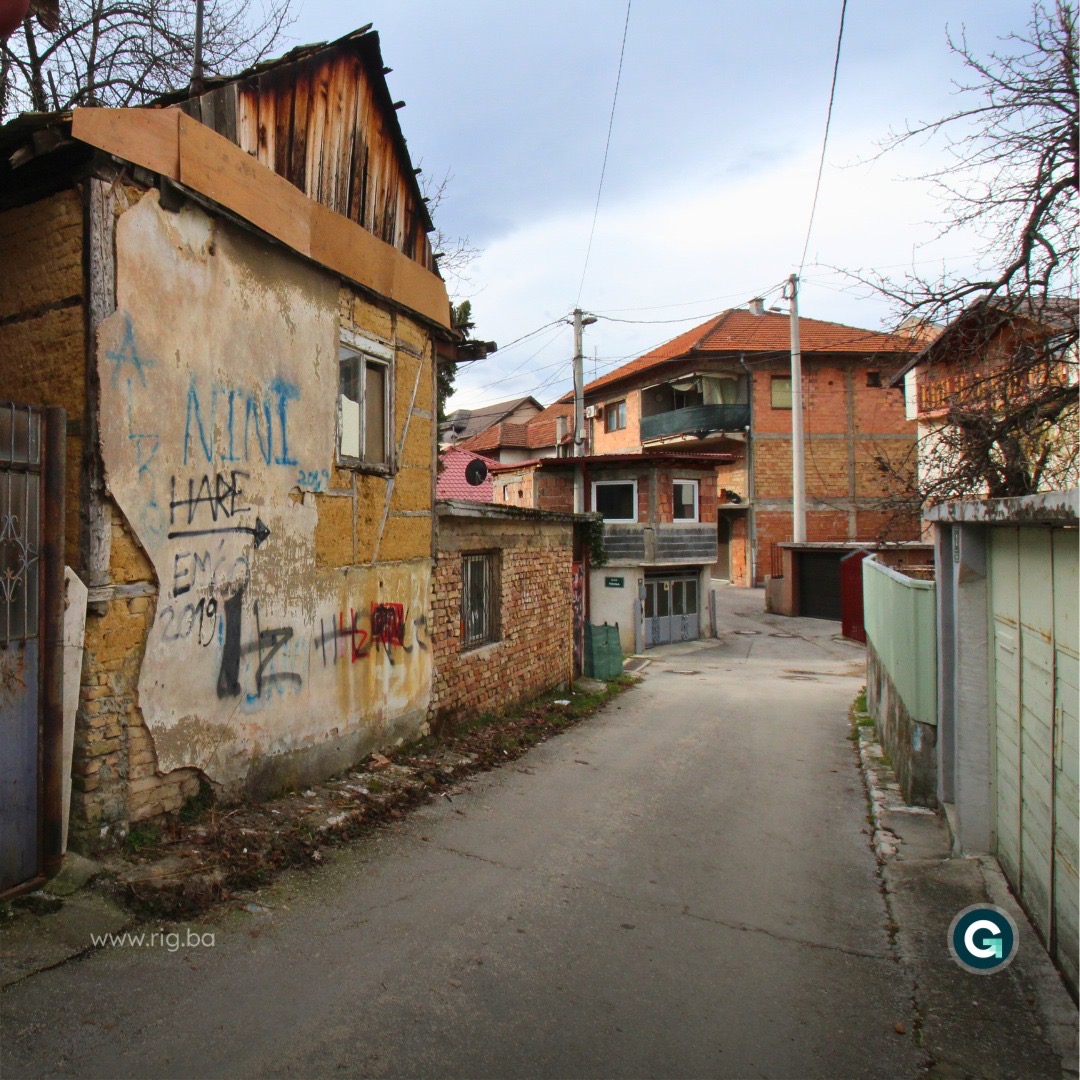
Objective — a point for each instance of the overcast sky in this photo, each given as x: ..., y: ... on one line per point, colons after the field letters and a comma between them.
x: 714, y: 151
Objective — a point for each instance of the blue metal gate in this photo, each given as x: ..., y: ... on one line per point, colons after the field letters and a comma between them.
x: 31, y: 618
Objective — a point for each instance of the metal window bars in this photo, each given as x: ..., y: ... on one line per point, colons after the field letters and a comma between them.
x: 20, y: 521
x: 479, y: 600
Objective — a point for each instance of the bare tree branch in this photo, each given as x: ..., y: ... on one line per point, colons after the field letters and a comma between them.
x: 127, y: 52
x: 1004, y: 420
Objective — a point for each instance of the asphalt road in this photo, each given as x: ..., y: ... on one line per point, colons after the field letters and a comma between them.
x: 682, y: 886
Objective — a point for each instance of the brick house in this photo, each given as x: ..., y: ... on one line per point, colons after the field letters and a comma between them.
x: 546, y: 434
x: 725, y: 387
x: 990, y: 353
x: 240, y: 319
x: 659, y: 510
x: 463, y: 425
x: 502, y: 618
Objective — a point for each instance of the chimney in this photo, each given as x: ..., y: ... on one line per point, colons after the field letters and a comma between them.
x: 757, y: 306
x: 560, y: 429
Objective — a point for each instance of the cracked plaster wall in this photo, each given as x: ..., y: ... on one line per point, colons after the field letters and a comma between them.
x: 263, y: 663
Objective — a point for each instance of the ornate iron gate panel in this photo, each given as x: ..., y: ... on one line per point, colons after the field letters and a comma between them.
x: 31, y: 613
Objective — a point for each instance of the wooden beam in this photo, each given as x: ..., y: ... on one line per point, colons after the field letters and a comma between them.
x: 169, y: 142
x: 147, y: 137
x: 217, y: 168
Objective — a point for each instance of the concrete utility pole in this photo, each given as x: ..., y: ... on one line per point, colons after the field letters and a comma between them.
x: 580, y: 320
x: 197, y: 82
x: 798, y: 469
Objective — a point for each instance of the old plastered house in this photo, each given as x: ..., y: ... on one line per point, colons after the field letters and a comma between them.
x: 235, y: 301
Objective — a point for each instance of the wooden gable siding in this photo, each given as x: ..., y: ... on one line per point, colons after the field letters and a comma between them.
x: 321, y: 125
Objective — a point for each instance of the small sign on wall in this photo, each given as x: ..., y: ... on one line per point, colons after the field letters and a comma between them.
x: 614, y: 582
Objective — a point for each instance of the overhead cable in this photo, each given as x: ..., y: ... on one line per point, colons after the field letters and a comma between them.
x: 607, y: 147
x: 825, y: 139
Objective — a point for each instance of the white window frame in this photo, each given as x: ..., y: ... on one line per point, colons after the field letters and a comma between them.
x: 610, y: 483
x: 366, y: 351
x: 697, y: 499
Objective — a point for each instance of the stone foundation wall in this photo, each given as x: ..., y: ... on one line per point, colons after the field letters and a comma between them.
x: 911, y: 745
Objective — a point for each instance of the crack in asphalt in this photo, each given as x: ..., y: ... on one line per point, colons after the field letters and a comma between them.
x: 683, y: 911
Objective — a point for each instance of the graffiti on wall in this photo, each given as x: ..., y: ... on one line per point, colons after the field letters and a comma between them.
x: 578, y: 584
x: 218, y: 415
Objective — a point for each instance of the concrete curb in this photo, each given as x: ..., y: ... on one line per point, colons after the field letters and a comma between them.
x: 1021, y: 1023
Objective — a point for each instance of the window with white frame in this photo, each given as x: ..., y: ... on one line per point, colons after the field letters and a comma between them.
x: 479, y: 599
x: 615, y: 500
x: 684, y: 502
x: 364, y: 383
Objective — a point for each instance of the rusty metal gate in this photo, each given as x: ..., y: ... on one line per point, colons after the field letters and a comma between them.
x: 31, y: 658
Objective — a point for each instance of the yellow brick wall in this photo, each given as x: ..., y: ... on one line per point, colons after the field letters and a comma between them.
x: 362, y: 516
x: 393, y: 520
x: 42, y: 337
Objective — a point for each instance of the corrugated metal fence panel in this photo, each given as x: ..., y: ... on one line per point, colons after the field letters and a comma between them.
x: 1005, y: 626
x: 1036, y: 722
x: 1067, y: 751
x: 1034, y: 607
x: 901, y: 624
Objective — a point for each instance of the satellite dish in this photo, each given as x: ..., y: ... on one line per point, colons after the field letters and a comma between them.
x: 475, y: 472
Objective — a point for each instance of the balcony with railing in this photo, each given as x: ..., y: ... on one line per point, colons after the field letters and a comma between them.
x: 695, y: 420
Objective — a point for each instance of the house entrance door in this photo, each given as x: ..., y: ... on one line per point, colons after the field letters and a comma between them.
x: 671, y: 610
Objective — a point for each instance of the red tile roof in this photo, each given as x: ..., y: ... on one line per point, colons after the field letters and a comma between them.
x: 542, y: 429
x: 497, y: 436
x: 538, y: 434
x: 740, y: 331
x: 452, y: 483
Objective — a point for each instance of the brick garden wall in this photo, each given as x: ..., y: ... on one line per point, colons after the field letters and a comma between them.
x: 533, y: 652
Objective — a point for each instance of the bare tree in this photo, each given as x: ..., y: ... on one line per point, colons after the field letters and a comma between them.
x: 126, y: 52
x: 1005, y: 406
x: 455, y: 253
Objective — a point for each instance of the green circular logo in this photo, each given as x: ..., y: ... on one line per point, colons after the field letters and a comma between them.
x: 983, y: 939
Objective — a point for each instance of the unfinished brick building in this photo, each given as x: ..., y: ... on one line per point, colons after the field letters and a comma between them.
x: 726, y: 386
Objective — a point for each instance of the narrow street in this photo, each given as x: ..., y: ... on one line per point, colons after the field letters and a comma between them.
x: 682, y: 886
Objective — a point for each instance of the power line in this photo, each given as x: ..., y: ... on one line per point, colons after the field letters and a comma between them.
x: 825, y: 139
x: 532, y: 333
x: 607, y: 147
x: 691, y: 303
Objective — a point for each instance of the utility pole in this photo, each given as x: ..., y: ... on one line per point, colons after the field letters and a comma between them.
x: 197, y: 82
x: 798, y: 469
x: 580, y: 320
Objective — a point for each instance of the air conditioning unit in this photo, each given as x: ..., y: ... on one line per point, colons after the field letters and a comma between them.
x: 591, y: 412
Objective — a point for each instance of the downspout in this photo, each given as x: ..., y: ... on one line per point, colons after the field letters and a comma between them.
x: 587, y: 496
x: 751, y: 516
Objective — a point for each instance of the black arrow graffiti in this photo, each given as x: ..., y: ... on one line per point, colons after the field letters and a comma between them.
x: 259, y: 530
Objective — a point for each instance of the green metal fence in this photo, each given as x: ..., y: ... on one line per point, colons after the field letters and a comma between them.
x: 901, y: 625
